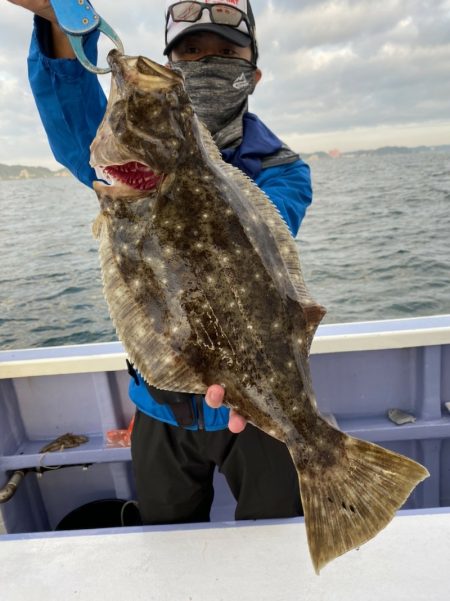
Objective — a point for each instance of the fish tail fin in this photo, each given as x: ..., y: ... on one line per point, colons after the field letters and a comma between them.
x: 347, y: 503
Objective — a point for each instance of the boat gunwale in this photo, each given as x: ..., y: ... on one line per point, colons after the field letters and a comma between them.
x: 330, y: 338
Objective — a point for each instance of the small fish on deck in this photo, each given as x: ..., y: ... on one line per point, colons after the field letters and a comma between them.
x: 66, y: 441
x: 204, y: 285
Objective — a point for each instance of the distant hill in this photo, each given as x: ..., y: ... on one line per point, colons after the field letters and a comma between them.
x: 385, y: 150
x: 26, y: 172
x: 9, y: 172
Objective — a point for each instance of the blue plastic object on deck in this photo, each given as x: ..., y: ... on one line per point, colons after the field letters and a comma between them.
x: 77, y: 18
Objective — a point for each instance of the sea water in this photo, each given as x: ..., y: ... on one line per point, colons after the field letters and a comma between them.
x: 374, y: 245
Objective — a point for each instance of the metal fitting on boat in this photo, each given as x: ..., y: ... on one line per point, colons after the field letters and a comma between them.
x: 9, y: 490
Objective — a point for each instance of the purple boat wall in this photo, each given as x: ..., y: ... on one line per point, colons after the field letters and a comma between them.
x: 360, y: 372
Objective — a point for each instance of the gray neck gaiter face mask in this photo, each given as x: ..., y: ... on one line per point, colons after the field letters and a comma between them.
x: 219, y: 88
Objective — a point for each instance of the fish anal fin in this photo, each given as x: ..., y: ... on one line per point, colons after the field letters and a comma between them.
x: 348, y: 503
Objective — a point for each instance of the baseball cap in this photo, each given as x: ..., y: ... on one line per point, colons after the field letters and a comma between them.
x: 214, y: 17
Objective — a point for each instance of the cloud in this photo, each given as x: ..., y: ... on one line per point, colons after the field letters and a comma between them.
x: 332, y: 69
x: 338, y: 66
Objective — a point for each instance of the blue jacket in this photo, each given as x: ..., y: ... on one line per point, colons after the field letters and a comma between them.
x: 71, y: 104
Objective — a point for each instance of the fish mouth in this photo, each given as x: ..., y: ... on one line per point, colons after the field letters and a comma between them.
x: 133, y: 175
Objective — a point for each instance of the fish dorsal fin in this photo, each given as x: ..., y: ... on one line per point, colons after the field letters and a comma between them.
x: 285, y: 243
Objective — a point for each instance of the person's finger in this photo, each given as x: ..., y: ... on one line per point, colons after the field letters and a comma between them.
x: 236, y: 422
x: 214, y: 396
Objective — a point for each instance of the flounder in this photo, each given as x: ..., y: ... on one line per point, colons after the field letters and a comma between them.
x: 204, y: 285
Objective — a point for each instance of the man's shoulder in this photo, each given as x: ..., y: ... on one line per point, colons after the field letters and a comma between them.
x: 276, y: 152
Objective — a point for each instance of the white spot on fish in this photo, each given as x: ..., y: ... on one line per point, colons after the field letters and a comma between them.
x: 205, y: 215
x: 249, y: 326
x: 199, y: 245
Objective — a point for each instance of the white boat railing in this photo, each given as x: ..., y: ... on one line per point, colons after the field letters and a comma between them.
x: 333, y: 338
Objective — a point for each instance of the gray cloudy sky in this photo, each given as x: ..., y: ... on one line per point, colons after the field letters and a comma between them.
x: 342, y: 74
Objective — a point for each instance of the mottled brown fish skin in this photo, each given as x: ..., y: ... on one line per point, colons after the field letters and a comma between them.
x: 204, y: 286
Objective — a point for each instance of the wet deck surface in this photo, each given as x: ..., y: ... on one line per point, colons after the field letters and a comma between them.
x: 270, y: 562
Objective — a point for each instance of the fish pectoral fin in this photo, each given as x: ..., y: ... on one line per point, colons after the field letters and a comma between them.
x: 351, y: 501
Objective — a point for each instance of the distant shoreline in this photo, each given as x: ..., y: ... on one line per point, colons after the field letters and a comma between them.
x: 18, y: 172
x: 383, y: 151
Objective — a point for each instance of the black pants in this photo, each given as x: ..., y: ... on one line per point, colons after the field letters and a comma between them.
x: 174, y: 468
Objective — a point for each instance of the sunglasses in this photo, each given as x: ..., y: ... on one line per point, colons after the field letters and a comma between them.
x: 221, y: 14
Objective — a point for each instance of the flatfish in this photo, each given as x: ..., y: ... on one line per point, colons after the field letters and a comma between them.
x: 204, y: 285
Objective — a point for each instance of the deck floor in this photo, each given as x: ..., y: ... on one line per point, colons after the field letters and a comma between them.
x: 246, y: 561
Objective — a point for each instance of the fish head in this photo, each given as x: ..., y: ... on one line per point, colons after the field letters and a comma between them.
x: 146, y: 128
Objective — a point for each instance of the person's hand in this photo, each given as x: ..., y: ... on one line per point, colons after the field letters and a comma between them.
x: 214, y: 398
x: 39, y: 7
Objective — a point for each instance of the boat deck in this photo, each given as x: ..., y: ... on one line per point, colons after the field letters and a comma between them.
x: 268, y: 561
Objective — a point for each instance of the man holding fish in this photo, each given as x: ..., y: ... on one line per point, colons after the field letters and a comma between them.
x: 178, y: 439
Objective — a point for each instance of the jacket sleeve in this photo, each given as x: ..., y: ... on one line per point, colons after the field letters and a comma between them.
x: 289, y: 188
x: 70, y: 101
